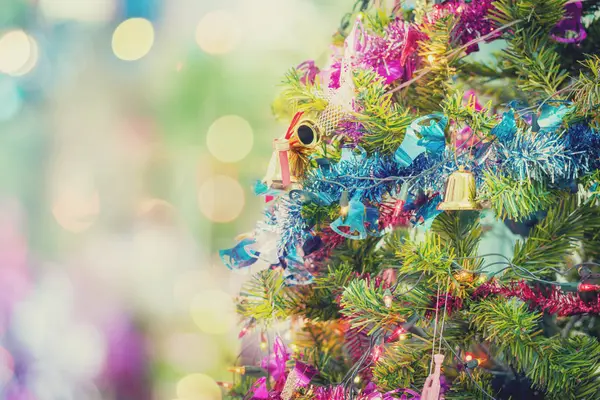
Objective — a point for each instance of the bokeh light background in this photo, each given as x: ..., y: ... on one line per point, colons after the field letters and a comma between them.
x: 130, y: 134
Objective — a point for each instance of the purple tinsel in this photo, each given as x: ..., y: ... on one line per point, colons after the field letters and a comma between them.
x: 309, y: 72
x: 584, y: 142
x: 472, y: 23
x: 352, y: 130
x: 394, y: 55
x: 370, y: 393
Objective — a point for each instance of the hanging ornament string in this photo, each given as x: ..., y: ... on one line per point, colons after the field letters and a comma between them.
x: 432, y: 387
x: 444, y: 315
x: 435, y: 323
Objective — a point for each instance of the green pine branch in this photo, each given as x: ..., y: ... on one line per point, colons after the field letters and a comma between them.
x: 481, y: 122
x: 468, y: 385
x: 530, y: 54
x: 403, y: 365
x: 555, y: 237
x: 539, y: 14
x: 563, y: 368
x: 265, y: 297
x: 428, y: 92
x: 509, y: 323
x: 586, y: 89
x: 301, y: 95
x: 461, y: 231
x: 384, y: 121
x: 362, y: 255
x: 318, y: 304
x: 317, y: 215
x: 515, y: 199
x: 336, y: 277
x: 429, y: 256
x: 470, y: 69
x: 321, y: 346
x: 362, y: 304
x: 567, y: 368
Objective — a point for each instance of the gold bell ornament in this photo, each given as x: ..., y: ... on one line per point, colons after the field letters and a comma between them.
x: 291, y: 154
x: 460, y: 192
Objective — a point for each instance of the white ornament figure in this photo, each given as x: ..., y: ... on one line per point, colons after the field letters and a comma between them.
x: 432, y: 387
x: 341, y: 99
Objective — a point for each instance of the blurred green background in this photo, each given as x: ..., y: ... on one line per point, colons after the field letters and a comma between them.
x: 130, y: 134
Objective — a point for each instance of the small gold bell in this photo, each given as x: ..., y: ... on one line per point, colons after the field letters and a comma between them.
x: 460, y: 192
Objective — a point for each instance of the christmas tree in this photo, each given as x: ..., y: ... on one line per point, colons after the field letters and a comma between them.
x: 374, y: 200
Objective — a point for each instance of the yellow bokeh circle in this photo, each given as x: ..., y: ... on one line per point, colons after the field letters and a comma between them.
x: 198, y: 387
x: 230, y: 138
x: 213, y: 311
x: 218, y: 32
x: 19, y: 53
x: 133, y: 39
x: 221, y: 199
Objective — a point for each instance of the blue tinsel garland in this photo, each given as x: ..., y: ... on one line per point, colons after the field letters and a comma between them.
x: 542, y: 152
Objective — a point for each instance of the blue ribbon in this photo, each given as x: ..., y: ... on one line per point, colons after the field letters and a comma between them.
x: 409, y: 149
x: 432, y: 135
x: 241, y: 255
x: 506, y: 130
x: 354, y: 154
x: 295, y: 272
x: 551, y: 117
x: 432, y: 139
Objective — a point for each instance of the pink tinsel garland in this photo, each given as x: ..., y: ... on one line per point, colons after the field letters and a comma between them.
x: 551, y: 299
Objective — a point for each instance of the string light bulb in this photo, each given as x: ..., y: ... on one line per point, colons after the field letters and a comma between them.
x: 398, y: 335
x: 388, y: 298
x: 344, y: 204
x: 400, y: 203
x: 430, y: 58
x: 247, y: 327
x: 377, y: 350
x: 241, y: 370
x: 243, y: 332
x: 464, y: 276
x: 264, y: 343
x: 471, y: 361
x: 588, y: 287
x: 225, y: 385
x: 247, y: 370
